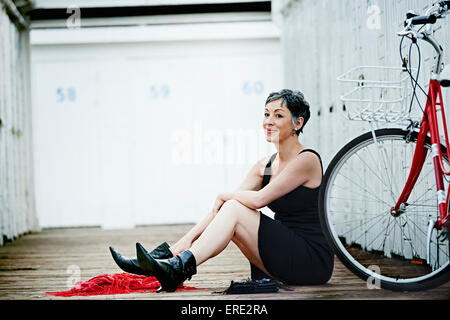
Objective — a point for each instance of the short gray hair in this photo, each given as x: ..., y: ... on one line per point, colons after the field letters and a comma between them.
x: 295, y: 101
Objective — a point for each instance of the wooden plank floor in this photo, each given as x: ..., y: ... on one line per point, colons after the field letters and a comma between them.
x: 37, y: 263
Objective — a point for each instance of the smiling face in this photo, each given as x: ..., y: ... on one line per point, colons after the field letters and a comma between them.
x: 277, y: 122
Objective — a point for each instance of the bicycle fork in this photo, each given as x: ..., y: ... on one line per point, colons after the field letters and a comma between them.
x: 429, y: 124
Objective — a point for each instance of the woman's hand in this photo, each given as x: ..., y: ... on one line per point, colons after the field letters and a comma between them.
x: 220, y: 200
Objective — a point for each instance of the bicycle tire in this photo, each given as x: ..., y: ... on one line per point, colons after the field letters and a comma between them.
x: 349, y: 251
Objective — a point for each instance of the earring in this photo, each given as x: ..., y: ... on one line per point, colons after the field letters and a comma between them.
x: 294, y: 132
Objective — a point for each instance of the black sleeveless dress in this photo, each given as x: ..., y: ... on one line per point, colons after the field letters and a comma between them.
x: 292, y: 246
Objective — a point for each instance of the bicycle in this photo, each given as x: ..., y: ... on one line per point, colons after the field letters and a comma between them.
x: 382, y: 210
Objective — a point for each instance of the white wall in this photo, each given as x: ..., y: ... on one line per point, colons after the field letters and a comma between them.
x: 17, y: 209
x: 144, y: 125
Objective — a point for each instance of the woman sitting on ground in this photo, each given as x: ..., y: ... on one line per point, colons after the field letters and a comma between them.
x: 290, y: 248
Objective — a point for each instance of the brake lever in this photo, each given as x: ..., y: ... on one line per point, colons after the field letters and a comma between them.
x: 407, y: 30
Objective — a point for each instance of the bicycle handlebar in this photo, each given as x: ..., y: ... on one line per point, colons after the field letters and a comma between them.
x: 437, y: 11
x: 424, y: 19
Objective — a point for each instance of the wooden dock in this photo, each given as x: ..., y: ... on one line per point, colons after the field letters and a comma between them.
x: 41, y: 262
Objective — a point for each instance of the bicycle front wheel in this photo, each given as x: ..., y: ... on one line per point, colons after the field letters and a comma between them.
x: 361, y: 185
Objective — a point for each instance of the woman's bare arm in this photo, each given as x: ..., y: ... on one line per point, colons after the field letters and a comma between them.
x: 296, y: 173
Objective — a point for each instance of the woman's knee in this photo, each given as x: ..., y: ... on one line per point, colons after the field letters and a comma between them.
x: 229, y: 211
x: 231, y: 206
x: 237, y: 209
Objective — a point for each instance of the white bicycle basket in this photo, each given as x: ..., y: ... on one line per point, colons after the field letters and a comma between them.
x: 374, y: 93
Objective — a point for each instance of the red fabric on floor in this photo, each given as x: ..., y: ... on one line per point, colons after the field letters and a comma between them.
x: 114, y: 284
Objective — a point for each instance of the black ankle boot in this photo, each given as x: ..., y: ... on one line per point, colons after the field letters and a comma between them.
x: 169, y: 272
x: 132, y: 266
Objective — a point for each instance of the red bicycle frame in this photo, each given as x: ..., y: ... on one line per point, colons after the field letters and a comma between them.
x: 429, y: 124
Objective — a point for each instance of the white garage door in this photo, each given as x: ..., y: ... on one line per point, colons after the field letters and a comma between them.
x: 147, y: 132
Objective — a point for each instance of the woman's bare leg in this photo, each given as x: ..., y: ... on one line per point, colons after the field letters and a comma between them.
x: 233, y: 221
x: 250, y: 256
x: 186, y: 241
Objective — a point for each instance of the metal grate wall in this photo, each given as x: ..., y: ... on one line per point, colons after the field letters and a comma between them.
x: 17, y: 209
x: 323, y: 39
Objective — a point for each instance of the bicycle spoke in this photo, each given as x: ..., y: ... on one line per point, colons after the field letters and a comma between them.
x: 439, y: 248
x: 377, y: 165
x: 406, y: 238
x: 420, y: 198
x: 385, y: 237
x: 423, y: 205
x: 376, y: 238
x: 424, y: 233
x: 359, y: 226
x: 357, y: 213
x: 364, y: 189
x: 418, y: 228
x: 352, y: 191
x: 371, y: 170
x: 392, y: 168
x: 355, y: 199
x: 427, y: 175
x: 359, y: 178
x: 387, y: 234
